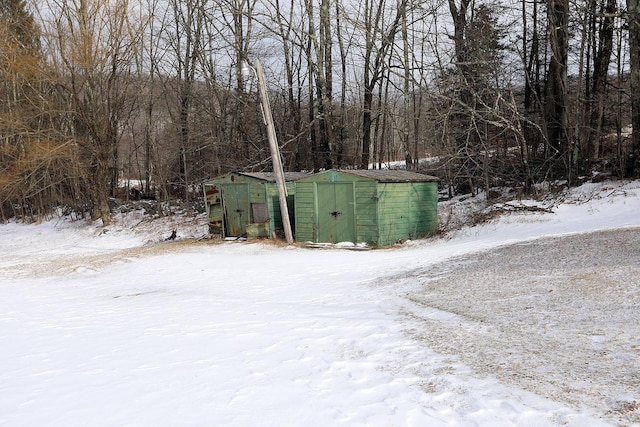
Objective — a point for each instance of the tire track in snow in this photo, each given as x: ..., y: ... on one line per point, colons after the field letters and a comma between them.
x: 559, y: 317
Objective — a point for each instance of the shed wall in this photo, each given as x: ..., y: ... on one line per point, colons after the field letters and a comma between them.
x: 366, y: 205
x: 385, y: 212
x: 406, y: 211
x: 362, y: 206
x: 259, y: 192
x: 306, y: 212
x: 273, y: 204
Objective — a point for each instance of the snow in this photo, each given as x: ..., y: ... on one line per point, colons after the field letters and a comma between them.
x: 529, y: 319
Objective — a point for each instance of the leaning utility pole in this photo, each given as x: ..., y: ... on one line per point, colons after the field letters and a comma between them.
x: 275, y: 151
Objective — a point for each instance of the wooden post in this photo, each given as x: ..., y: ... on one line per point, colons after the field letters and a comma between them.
x: 275, y: 152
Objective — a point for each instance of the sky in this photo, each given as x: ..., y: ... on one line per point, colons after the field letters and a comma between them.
x: 114, y: 325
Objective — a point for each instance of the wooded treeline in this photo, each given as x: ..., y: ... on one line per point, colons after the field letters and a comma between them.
x: 95, y: 93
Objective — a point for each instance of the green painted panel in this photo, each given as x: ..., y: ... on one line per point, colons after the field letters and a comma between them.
x: 276, y: 218
x: 407, y: 211
x: 393, y: 221
x: 336, y: 215
x: 257, y: 193
x: 423, y: 209
x: 366, y: 193
x: 237, y: 209
x: 305, y: 211
x: 378, y: 213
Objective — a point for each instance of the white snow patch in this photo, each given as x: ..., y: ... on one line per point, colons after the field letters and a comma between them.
x: 114, y: 326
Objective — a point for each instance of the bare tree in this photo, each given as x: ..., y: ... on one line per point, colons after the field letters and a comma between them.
x: 188, y: 19
x: 320, y: 62
x: 147, y: 67
x: 289, y: 19
x: 168, y: 103
x: 633, y: 22
x: 92, y: 46
x: 601, y: 63
x: 407, y: 89
x: 378, y: 43
x: 557, y: 90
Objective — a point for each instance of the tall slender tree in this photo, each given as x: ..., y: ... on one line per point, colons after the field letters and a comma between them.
x: 378, y: 41
x: 186, y: 44
x: 633, y: 22
x: 557, y: 90
x: 601, y: 62
x: 321, y: 69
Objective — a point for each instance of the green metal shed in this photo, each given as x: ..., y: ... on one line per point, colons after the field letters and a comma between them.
x: 246, y: 203
x: 378, y: 207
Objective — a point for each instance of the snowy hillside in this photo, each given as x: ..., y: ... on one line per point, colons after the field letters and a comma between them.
x: 528, y: 319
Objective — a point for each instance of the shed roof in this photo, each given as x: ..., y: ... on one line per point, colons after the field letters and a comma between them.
x: 271, y: 177
x: 262, y: 176
x: 391, y: 175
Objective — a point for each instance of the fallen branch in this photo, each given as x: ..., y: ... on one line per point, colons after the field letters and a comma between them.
x: 508, y: 207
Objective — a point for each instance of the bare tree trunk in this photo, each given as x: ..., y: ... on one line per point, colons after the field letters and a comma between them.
x: 459, y: 16
x: 600, y: 76
x: 341, y: 122
x: 465, y: 97
x: 556, y: 101
x: 381, y: 146
x: 633, y: 21
x: 322, y: 72
x: 149, y: 104
x: 286, y: 32
x: 406, y: 96
x: 367, y: 105
x: 317, y: 155
x: 326, y: 100
x: 187, y: 43
x: 532, y: 90
x: 241, y: 27
x: 374, y: 60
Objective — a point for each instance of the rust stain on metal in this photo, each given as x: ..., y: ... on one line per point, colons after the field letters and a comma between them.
x: 213, y: 190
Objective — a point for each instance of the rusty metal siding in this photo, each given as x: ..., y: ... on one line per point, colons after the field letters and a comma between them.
x: 213, y: 202
x: 237, y: 208
x: 230, y: 201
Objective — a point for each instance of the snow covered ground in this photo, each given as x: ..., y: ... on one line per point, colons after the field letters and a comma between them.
x: 531, y: 319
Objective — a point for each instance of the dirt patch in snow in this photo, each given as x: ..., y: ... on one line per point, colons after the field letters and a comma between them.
x: 558, y: 317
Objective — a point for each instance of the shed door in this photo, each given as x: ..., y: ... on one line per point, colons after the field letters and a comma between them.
x: 236, y: 209
x: 336, y: 217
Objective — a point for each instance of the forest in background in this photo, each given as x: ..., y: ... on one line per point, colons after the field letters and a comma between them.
x: 99, y: 93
